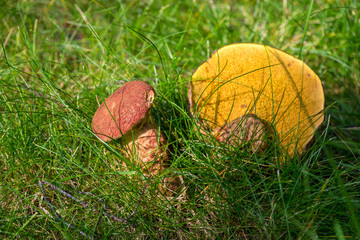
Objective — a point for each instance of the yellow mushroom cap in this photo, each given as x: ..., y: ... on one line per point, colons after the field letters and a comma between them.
x: 248, y: 78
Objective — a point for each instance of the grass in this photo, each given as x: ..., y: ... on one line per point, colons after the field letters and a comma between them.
x: 60, y: 59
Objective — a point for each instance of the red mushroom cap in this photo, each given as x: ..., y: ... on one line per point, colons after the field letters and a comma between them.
x: 120, y: 112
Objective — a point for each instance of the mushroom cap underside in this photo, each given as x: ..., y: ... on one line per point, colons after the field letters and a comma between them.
x: 247, y: 78
x: 124, y: 109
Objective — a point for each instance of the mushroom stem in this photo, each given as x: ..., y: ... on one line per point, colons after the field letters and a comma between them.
x: 147, y: 146
x: 149, y: 149
x: 245, y: 129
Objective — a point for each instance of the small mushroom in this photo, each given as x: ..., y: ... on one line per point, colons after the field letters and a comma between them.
x: 126, y: 114
x: 247, y: 78
x: 245, y: 129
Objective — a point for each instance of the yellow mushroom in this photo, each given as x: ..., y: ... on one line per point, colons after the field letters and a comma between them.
x: 247, y: 78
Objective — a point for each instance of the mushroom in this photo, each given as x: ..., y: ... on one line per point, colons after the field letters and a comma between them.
x: 247, y: 78
x: 126, y: 114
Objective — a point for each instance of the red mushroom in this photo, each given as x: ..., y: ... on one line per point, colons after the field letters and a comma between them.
x: 126, y: 114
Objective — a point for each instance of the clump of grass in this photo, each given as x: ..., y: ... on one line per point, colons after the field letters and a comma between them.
x: 60, y: 60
